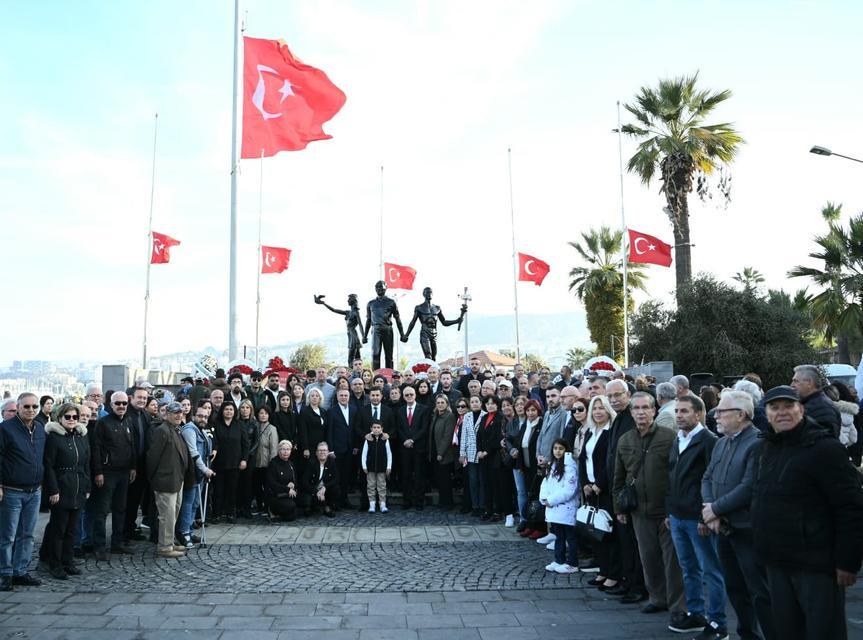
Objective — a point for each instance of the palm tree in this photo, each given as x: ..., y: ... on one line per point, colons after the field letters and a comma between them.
x: 751, y: 278
x: 598, y: 284
x: 837, y: 310
x: 677, y: 144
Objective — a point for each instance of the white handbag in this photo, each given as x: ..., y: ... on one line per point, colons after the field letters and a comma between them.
x: 595, y: 523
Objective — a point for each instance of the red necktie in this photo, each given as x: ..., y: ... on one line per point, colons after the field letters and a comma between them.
x: 410, y: 416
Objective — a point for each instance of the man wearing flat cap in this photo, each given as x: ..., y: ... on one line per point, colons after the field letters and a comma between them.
x: 169, y: 467
x: 807, y: 520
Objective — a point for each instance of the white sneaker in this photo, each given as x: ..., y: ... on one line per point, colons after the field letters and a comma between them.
x: 546, y: 539
x: 553, y: 567
x: 372, y: 507
x: 384, y: 507
x: 565, y: 568
x: 550, y: 546
x: 510, y: 521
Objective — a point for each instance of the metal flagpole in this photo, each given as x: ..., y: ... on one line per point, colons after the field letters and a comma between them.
x: 465, y: 298
x: 381, y: 231
x: 514, y: 258
x: 233, y: 341
x: 260, y: 261
x: 623, y: 245
x: 150, y: 240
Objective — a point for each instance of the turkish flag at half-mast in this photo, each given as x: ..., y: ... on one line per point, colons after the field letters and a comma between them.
x: 645, y: 248
x: 531, y: 269
x: 285, y: 102
x: 162, y: 244
x: 274, y: 259
x: 398, y: 276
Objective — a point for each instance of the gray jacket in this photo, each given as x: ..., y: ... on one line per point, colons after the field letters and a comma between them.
x: 552, y: 429
x: 730, y: 476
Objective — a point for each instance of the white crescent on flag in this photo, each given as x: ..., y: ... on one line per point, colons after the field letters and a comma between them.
x: 392, y: 277
x: 527, y: 267
x: 268, y: 259
x: 650, y: 247
x: 261, y: 91
x: 158, y: 247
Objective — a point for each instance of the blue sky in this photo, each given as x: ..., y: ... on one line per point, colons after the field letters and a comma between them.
x: 436, y: 92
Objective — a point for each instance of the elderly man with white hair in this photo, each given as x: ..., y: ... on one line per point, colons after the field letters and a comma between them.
x: 681, y: 382
x: 759, y: 417
x: 9, y: 409
x: 807, y: 383
x: 666, y: 398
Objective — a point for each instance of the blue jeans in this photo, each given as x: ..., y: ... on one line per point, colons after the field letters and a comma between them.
x: 476, y: 490
x: 699, y: 564
x: 18, y: 513
x: 565, y: 550
x: 187, y: 510
x: 521, y: 492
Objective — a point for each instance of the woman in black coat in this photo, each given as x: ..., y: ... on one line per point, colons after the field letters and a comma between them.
x: 282, y: 485
x: 313, y: 425
x: 595, y: 483
x: 284, y: 419
x: 231, y: 452
x: 488, y: 439
x: 527, y: 481
x: 67, y: 485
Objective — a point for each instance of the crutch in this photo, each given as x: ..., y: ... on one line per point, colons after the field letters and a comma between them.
x: 202, y: 498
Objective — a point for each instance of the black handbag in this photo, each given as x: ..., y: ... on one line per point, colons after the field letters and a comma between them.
x: 535, y: 514
x: 626, y: 498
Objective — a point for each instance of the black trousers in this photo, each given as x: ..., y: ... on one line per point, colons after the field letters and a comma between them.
x: 61, y: 534
x: 244, y: 490
x: 138, y: 496
x: 259, y: 479
x: 806, y: 606
x: 109, y: 498
x: 624, y: 560
x: 285, y: 507
x: 332, y: 498
x: 443, y: 480
x: 344, y: 463
x: 413, y: 476
x: 225, y: 500
x: 746, y: 586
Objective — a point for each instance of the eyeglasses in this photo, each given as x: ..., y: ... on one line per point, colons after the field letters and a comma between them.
x: 120, y: 403
x: 718, y: 412
x: 579, y: 409
x: 69, y: 416
x: 29, y: 406
x: 500, y: 375
x: 94, y: 395
x: 461, y: 406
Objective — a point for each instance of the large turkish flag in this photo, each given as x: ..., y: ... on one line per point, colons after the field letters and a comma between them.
x: 645, y: 248
x: 274, y: 259
x: 285, y: 102
x: 398, y: 276
x: 531, y: 269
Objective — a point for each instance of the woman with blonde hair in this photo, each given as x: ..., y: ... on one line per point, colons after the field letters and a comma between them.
x: 282, y: 484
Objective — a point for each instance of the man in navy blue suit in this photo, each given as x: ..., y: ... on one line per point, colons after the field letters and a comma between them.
x: 412, y: 421
x: 343, y: 421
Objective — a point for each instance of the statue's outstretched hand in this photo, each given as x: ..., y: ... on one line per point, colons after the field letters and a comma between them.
x: 319, y: 299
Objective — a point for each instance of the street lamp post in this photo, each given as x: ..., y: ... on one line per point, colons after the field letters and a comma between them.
x: 824, y: 151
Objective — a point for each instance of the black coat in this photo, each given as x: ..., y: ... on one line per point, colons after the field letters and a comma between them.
x: 341, y: 434
x: 286, y: 424
x: 623, y: 423
x: 387, y: 420
x: 113, y: 445
x: 488, y: 438
x: 313, y: 476
x: 280, y: 473
x: 807, y: 504
x: 231, y: 443
x: 418, y: 430
x: 685, y: 473
x: 313, y: 430
x: 822, y: 410
x: 600, y: 461
x: 67, y: 465
x: 520, y: 462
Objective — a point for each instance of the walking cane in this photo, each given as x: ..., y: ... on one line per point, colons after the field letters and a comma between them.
x: 202, y: 498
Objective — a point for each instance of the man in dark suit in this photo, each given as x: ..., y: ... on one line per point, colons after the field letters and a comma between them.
x: 474, y: 374
x: 321, y: 483
x: 341, y: 437
x: 412, y: 421
x: 375, y: 411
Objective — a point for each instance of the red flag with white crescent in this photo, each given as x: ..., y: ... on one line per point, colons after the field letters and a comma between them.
x: 645, y: 248
x: 532, y: 269
x: 161, y: 253
x: 398, y: 276
x: 274, y: 259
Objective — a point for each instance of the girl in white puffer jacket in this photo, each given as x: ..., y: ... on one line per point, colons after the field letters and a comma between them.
x: 559, y: 494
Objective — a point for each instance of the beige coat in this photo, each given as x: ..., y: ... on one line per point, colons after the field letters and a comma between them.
x: 268, y: 445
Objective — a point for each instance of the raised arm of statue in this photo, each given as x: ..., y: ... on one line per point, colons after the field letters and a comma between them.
x: 319, y: 299
x: 449, y: 323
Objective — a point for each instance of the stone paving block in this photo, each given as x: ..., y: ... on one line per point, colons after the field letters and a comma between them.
x: 237, y: 622
x: 189, y: 622
x: 511, y: 633
x: 379, y: 623
x: 458, y: 607
x: 80, y: 622
x: 464, y: 534
x: 439, y: 621
x: 561, y: 606
x: 215, y: 598
x: 493, y: 532
x: 285, y: 535
x: 387, y: 534
x: 510, y: 606
x: 388, y: 634
x: 472, y: 596
x: 400, y: 608
x: 34, y: 596
x: 414, y: 534
x: 261, y: 535
x: 291, y: 609
x: 448, y: 634
x: 345, y: 609
x: 187, y: 610
x: 135, y: 610
x: 362, y: 534
x: 83, y: 634
x: 133, y: 622
x: 289, y: 598
x: 377, y: 598
x: 425, y: 597
x: 258, y: 598
x: 539, y: 619
x: 439, y: 534
x: 256, y: 634
x: 33, y: 608
x: 239, y: 610
x: 159, y: 598
x: 589, y: 631
x: 488, y: 619
x: 311, y: 535
x: 520, y: 594
x: 325, y: 634
x: 307, y: 622
x: 336, y: 535
x: 30, y: 622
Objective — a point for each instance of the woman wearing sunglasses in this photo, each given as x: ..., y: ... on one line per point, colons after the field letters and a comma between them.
x: 67, y: 484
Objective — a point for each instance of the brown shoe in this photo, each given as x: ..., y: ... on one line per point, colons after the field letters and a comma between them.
x: 180, y: 548
x: 169, y: 553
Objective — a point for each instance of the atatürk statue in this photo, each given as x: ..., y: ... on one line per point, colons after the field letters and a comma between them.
x: 379, y: 314
x: 353, y: 322
x: 428, y: 314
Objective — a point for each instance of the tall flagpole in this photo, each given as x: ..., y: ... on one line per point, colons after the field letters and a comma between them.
x: 514, y: 258
x: 381, y: 230
x: 623, y: 244
x: 150, y: 239
x: 260, y: 261
x: 233, y: 342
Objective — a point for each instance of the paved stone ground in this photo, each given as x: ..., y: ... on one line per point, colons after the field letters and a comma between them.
x: 432, y: 588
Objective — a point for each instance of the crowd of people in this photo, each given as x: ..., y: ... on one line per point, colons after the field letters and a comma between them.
x: 725, y: 495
